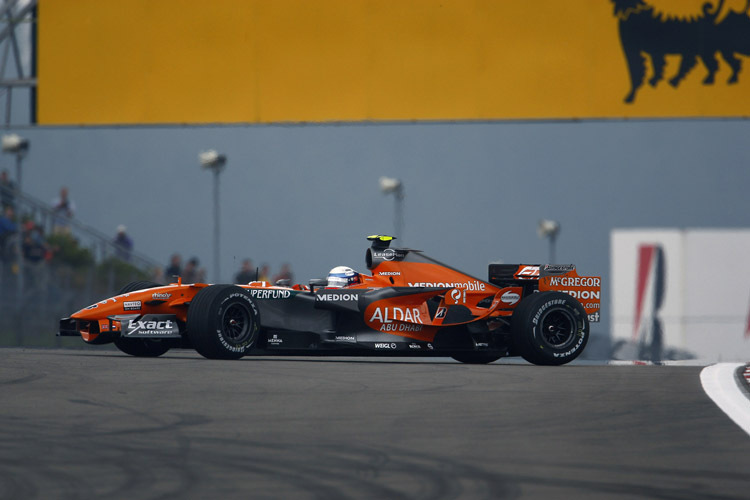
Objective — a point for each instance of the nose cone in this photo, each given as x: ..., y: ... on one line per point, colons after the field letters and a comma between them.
x: 135, y: 302
x: 129, y: 303
x: 100, y: 309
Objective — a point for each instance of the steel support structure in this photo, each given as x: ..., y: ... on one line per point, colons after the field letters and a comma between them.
x: 15, y: 16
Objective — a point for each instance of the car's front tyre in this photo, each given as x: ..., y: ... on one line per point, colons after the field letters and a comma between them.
x: 142, y: 348
x: 223, y: 322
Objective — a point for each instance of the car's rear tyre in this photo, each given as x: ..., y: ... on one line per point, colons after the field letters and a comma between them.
x: 142, y: 348
x: 223, y: 322
x: 475, y: 358
x: 550, y: 328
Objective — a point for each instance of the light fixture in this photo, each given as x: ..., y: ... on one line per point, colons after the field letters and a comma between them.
x: 14, y: 143
x: 212, y: 159
x: 390, y: 185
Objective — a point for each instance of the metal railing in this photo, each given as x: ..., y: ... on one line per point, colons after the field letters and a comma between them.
x: 36, y: 292
x: 101, y: 245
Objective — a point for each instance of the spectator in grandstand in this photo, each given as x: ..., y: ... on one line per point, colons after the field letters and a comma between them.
x: 34, y: 245
x: 265, y: 273
x: 157, y: 276
x: 8, y: 228
x: 174, y: 268
x: 63, y: 209
x: 35, y: 253
x: 246, y: 273
x: 284, y: 274
x: 191, y: 273
x: 200, y: 276
x: 123, y: 243
x: 7, y: 190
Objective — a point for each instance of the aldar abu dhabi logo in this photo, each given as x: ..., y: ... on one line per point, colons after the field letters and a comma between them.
x: 718, y: 28
x: 649, y: 298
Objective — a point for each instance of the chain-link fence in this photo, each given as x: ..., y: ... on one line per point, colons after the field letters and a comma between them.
x: 47, y: 273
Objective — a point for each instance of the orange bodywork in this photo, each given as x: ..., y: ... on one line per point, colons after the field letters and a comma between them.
x: 585, y: 289
x: 419, y: 296
x: 169, y: 299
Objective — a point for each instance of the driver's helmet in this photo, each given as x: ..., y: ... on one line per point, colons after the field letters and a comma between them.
x: 341, y: 276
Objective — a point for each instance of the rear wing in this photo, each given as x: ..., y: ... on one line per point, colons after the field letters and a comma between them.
x: 559, y: 278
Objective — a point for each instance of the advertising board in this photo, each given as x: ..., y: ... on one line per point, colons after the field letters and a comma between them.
x: 264, y: 61
x: 681, y: 293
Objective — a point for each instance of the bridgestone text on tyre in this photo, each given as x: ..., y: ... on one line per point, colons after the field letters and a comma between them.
x: 550, y: 328
x: 223, y: 322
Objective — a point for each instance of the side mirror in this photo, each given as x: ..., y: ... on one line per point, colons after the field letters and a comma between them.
x: 320, y: 283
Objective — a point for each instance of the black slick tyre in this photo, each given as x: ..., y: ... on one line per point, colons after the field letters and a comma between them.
x: 142, y: 348
x: 137, y: 285
x: 223, y: 322
x: 475, y: 358
x: 550, y: 328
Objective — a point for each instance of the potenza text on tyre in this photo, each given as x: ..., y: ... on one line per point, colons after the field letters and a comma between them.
x: 550, y: 328
x: 223, y: 322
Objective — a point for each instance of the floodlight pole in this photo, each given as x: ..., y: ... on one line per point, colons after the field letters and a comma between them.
x: 217, y: 232
x: 19, y: 239
x: 14, y: 144
x: 390, y: 185
x: 552, y: 240
x: 215, y: 162
x: 398, y: 213
x: 549, y: 229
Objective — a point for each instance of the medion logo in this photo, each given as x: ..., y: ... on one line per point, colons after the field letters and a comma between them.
x: 718, y: 28
x: 327, y: 297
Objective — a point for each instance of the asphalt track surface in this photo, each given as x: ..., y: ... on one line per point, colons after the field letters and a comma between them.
x: 99, y: 424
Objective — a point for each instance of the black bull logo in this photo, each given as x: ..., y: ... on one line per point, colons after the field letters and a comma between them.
x: 647, y: 33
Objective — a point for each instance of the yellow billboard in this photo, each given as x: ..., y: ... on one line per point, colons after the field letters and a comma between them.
x: 269, y: 61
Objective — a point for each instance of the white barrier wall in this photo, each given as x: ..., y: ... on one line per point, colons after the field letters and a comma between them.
x: 684, y: 290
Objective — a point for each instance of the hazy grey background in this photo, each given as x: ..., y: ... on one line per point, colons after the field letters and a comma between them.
x: 308, y: 194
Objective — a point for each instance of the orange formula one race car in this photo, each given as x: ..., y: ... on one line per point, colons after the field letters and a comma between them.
x: 410, y: 305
